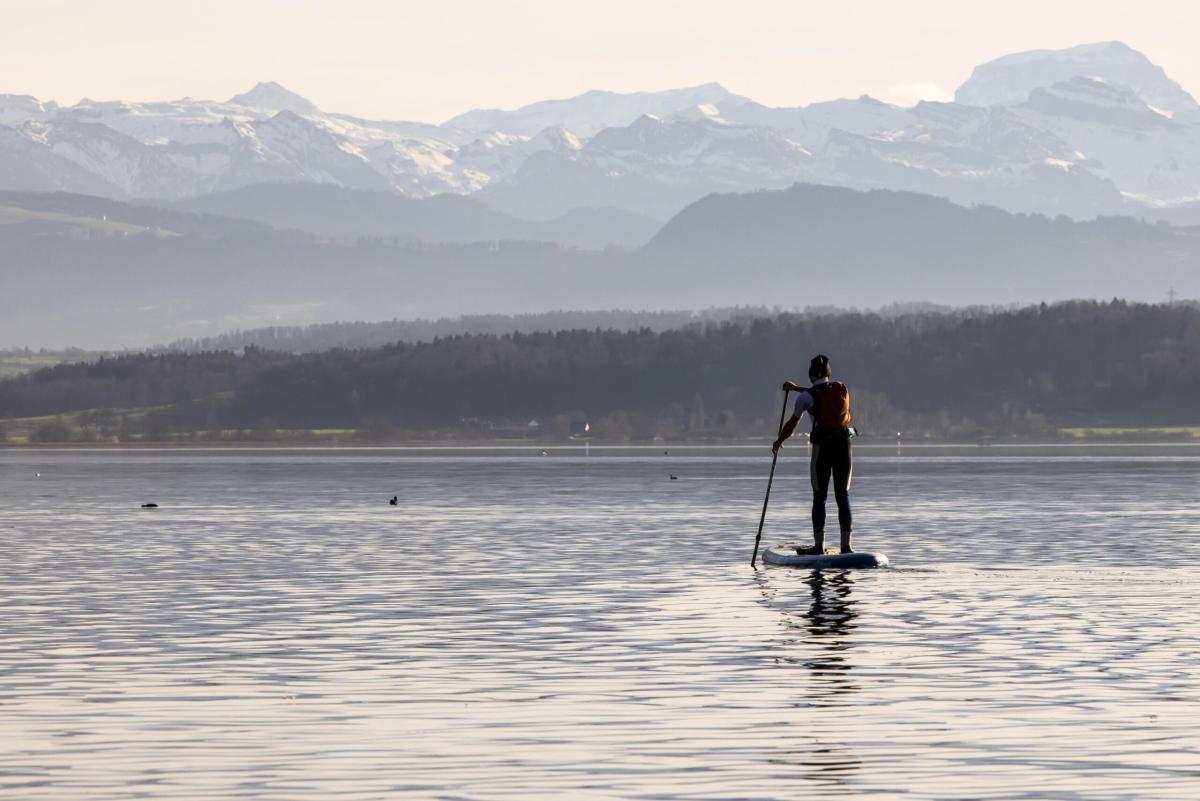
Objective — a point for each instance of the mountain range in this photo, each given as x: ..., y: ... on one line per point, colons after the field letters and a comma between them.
x: 1091, y: 130
x: 99, y: 273
x: 335, y: 212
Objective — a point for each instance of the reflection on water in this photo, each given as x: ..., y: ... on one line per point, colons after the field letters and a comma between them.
x: 829, y: 621
x: 584, y: 627
x: 822, y: 621
x: 823, y: 625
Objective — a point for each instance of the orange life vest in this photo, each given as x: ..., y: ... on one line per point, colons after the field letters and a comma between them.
x: 831, y: 406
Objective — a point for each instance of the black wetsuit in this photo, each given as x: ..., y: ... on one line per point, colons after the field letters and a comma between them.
x: 831, y: 458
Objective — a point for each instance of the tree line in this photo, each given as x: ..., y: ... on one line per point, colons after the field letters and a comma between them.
x: 326, y: 336
x: 973, y: 372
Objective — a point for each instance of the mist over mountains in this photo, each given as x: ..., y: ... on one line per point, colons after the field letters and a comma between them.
x: 187, y: 219
x: 112, y: 274
x: 339, y: 213
x: 1095, y: 129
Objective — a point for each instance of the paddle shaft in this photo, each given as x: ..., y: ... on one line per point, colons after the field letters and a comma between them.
x: 770, y: 479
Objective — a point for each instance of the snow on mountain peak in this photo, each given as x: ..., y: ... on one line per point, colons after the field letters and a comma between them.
x: 1114, y: 51
x: 270, y: 96
x: 1053, y: 131
x: 1010, y: 80
x: 1096, y: 100
x: 591, y: 112
x: 15, y: 109
x: 555, y: 138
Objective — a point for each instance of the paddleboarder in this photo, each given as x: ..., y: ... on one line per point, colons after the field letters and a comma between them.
x: 827, y: 403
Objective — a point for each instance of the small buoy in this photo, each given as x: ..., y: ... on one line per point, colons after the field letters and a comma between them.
x: 395, y: 501
x: 674, y: 477
x: 149, y: 505
x: 37, y: 475
x: 664, y: 453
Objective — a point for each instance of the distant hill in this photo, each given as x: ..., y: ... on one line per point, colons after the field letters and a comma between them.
x: 324, y: 336
x: 820, y: 244
x: 89, y: 283
x: 341, y: 213
x: 73, y: 211
x: 61, y: 285
x: 356, y: 335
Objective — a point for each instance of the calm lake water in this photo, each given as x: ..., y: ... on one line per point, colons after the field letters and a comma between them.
x: 568, y: 626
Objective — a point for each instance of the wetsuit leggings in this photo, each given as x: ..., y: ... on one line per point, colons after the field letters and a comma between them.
x: 831, y: 459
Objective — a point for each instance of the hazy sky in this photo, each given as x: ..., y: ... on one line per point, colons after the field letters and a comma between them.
x: 429, y: 60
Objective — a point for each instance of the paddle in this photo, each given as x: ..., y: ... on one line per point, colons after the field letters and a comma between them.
x: 770, y: 478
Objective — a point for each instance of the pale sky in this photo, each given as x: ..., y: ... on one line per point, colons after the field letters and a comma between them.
x: 432, y: 59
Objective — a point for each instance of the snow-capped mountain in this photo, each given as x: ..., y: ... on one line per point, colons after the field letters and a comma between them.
x: 1153, y: 159
x: 15, y: 109
x: 27, y: 164
x: 653, y: 167
x: 1011, y: 79
x: 1095, y: 129
x: 591, y: 112
x: 270, y: 96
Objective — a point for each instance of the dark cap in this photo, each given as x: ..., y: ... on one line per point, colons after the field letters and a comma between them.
x: 819, y: 366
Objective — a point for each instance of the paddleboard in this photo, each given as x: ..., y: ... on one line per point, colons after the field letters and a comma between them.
x: 786, y: 556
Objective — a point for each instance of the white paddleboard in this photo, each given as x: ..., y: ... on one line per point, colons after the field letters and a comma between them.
x: 786, y: 556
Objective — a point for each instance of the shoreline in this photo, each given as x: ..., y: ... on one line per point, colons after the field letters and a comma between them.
x: 571, y: 446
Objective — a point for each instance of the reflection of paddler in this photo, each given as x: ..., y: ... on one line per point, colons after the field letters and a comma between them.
x: 829, y: 621
x: 831, y: 613
x: 826, y: 623
x: 822, y: 626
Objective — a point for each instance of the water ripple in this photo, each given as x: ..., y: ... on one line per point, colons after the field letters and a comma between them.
x: 523, y: 627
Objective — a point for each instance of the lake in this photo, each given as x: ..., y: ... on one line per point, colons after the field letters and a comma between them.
x: 579, y: 625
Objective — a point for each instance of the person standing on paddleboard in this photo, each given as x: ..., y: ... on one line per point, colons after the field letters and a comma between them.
x: 827, y: 403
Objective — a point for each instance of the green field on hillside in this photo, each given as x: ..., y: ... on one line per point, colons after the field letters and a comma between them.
x: 92, y: 226
x: 1143, y: 433
x: 12, y: 364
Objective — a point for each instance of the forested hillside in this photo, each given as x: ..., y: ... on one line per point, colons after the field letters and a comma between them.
x: 326, y: 336
x: 1002, y: 373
